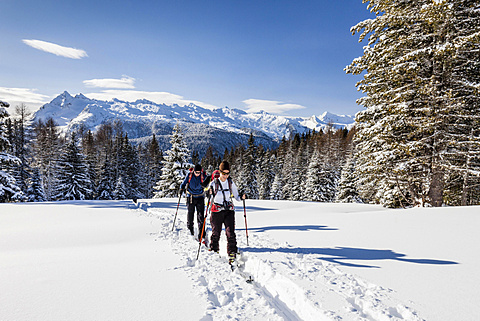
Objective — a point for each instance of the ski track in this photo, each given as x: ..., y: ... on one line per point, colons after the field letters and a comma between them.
x: 286, y: 286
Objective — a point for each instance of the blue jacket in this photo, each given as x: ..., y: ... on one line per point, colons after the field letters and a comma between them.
x: 196, y: 184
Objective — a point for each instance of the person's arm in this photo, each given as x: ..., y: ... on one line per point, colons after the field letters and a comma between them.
x: 235, y: 192
x: 206, y: 181
x: 184, y: 184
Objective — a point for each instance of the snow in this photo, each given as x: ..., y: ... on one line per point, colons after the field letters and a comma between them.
x: 118, y: 260
x: 88, y: 261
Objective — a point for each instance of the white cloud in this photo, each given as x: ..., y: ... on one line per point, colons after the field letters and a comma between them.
x: 16, y: 96
x: 270, y: 106
x: 56, y: 49
x: 154, y: 96
x: 125, y: 82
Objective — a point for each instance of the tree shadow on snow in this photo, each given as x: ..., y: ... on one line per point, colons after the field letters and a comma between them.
x: 89, y: 203
x: 292, y: 228
x: 341, y: 255
x: 171, y: 204
x: 254, y: 208
x: 161, y: 203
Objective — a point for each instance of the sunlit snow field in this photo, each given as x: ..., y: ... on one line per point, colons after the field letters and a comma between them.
x: 116, y: 260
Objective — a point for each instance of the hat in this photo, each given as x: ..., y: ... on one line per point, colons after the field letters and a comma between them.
x: 198, y: 168
x: 224, y: 166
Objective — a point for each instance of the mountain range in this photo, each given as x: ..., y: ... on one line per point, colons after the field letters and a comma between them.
x: 222, y: 128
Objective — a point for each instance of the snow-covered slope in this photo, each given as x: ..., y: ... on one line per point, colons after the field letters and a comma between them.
x: 114, y: 260
x: 70, y: 112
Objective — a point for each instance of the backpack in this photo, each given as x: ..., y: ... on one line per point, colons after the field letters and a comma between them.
x: 190, y: 175
x: 227, y: 205
x: 215, y: 174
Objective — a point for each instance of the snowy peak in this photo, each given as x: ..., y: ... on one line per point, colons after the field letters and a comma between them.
x: 328, y: 117
x: 62, y: 99
x: 69, y: 112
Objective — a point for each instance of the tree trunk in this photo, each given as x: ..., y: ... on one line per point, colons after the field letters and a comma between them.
x: 437, y: 185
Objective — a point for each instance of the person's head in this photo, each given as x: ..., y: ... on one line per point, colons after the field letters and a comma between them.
x: 198, y: 169
x: 224, y: 168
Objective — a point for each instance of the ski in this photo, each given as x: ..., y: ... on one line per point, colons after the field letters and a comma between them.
x: 237, y: 264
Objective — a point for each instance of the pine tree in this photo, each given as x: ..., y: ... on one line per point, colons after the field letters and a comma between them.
x: 151, y: 157
x: 312, y: 190
x: 289, y: 168
x: 210, y: 160
x: 35, y: 191
x: 89, y: 149
x: 132, y: 172
x: 9, y: 190
x: 266, y: 177
x: 328, y: 183
x: 175, y: 166
x: 276, y: 190
x: 295, y: 182
x: 422, y: 103
x: 72, y: 177
x: 46, y: 150
x: 19, y: 138
x: 120, y: 192
x: 347, y: 186
x: 106, y: 176
x: 249, y: 184
x: 236, y: 158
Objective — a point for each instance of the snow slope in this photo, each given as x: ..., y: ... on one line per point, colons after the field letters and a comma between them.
x: 309, y: 261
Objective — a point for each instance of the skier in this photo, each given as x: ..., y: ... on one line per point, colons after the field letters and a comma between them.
x: 223, y: 211
x: 194, y: 185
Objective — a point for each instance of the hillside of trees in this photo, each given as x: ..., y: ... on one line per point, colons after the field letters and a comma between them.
x: 45, y: 166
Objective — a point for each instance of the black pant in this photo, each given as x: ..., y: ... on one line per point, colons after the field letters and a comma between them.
x: 192, y: 204
x: 217, y: 220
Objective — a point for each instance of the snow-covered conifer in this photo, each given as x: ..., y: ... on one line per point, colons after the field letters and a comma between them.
x: 72, y: 178
x: 91, y: 157
x: 300, y: 165
x: 329, y: 176
x: 132, y: 171
x: 276, y: 190
x: 120, y: 192
x: 154, y: 165
x: 19, y: 137
x: 312, y: 188
x: 248, y: 172
x: 175, y: 166
x: 422, y: 102
x: 9, y: 190
x: 347, y: 185
x: 35, y: 191
x: 46, y: 151
x: 106, y: 176
x: 295, y: 182
x: 289, y: 168
x: 266, y: 174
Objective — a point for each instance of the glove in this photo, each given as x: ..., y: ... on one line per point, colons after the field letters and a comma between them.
x: 180, y: 192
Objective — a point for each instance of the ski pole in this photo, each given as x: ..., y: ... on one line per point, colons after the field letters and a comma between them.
x: 173, y: 227
x: 245, y: 215
x: 203, y: 228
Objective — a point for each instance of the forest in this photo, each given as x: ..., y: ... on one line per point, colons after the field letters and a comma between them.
x: 46, y: 166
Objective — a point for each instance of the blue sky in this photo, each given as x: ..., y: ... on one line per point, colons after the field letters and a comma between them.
x: 283, y: 56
